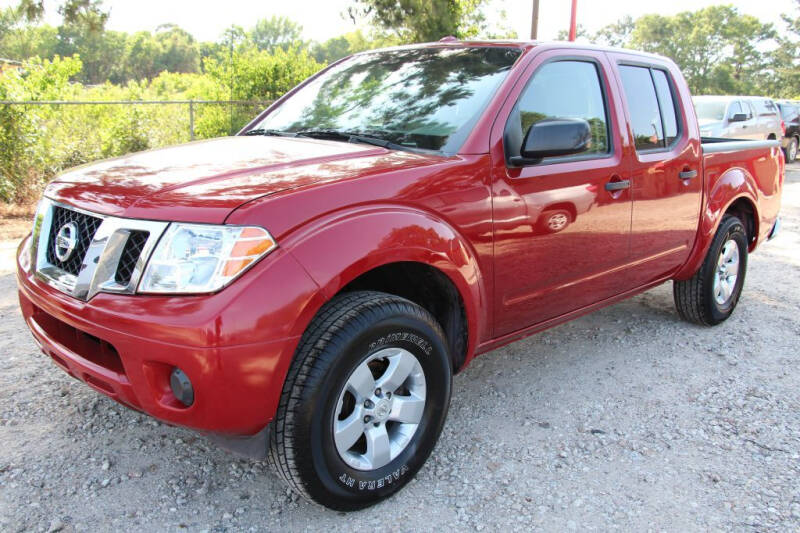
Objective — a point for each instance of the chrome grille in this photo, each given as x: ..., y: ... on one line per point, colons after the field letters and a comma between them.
x: 108, y: 254
x: 87, y: 226
x: 130, y: 256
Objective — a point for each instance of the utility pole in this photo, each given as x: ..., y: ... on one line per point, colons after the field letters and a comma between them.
x: 573, y: 22
x: 535, y: 20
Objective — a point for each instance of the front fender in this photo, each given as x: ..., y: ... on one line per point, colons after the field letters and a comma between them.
x: 732, y: 185
x: 338, y: 248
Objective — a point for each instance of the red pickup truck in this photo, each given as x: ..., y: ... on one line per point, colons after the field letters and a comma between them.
x: 306, y: 289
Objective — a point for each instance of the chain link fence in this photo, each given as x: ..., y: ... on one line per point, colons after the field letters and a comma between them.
x: 41, y: 138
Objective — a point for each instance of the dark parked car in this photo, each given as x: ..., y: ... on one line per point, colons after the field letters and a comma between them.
x: 790, y: 113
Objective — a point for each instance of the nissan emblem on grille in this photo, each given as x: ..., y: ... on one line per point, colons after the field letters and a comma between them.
x: 66, y: 239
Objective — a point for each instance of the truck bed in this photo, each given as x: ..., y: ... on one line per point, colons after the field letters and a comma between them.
x: 759, y: 164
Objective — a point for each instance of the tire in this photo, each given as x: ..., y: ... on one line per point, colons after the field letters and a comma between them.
x: 705, y: 299
x: 791, y: 150
x: 352, y: 332
x: 554, y: 220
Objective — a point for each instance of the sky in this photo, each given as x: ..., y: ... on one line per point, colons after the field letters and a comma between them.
x: 323, y: 19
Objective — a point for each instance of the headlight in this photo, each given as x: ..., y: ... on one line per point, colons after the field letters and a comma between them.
x: 197, y: 258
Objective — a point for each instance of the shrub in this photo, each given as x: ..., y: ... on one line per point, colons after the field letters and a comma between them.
x: 39, y: 141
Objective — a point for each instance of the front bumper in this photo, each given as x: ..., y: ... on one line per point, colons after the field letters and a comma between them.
x: 235, y: 345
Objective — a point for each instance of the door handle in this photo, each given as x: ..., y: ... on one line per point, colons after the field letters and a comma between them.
x: 618, y: 185
x: 687, y: 174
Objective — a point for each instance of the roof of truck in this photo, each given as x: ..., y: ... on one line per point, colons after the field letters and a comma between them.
x: 729, y: 97
x: 447, y: 42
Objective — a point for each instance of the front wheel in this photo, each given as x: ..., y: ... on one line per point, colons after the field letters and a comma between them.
x: 554, y: 220
x: 364, y: 401
x: 710, y: 296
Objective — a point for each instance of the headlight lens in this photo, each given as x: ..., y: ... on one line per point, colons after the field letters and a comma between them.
x: 198, y: 258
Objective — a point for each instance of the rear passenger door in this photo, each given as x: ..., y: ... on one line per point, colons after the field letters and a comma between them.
x: 751, y: 128
x: 667, y: 180
x: 768, y: 119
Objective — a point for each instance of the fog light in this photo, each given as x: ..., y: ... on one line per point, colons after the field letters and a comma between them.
x: 181, y: 386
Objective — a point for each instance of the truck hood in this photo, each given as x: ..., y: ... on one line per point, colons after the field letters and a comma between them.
x: 204, y: 181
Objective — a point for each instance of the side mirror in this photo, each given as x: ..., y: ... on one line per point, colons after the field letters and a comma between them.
x: 738, y: 117
x: 554, y: 137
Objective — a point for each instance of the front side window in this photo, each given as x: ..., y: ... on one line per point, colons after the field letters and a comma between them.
x: 736, y: 109
x: 561, y: 89
x: 420, y: 98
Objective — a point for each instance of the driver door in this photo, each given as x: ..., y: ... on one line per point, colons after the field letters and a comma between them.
x: 562, y: 226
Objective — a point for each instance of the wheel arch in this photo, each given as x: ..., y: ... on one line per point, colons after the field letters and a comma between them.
x: 566, y: 206
x: 744, y: 209
x: 733, y: 192
x: 403, y: 251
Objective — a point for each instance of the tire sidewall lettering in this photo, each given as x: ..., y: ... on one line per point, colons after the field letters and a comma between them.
x: 373, y: 484
x: 404, y: 336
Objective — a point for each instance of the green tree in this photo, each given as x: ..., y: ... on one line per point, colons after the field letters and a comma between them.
x: 80, y: 12
x: 179, y: 51
x: 617, y: 33
x: 141, y: 57
x: 423, y: 20
x: 261, y: 75
x: 785, y: 59
x: 83, y: 32
x: 718, y: 49
x: 20, y: 40
x: 275, y: 32
x: 356, y: 41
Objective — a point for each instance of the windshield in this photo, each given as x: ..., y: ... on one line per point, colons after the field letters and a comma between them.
x: 710, y: 110
x: 425, y: 98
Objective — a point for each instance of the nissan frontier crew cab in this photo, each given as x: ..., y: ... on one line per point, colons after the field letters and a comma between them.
x: 306, y: 289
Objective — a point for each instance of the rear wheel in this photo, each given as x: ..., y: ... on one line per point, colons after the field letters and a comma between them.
x: 791, y: 150
x: 364, y: 402
x: 710, y: 296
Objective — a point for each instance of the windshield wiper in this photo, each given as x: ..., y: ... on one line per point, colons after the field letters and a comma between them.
x: 352, y: 136
x: 276, y: 133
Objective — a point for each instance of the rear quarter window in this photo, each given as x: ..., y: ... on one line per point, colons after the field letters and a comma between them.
x: 765, y: 107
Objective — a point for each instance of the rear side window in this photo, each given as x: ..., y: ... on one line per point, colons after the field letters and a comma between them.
x: 765, y: 107
x: 651, y: 106
x: 561, y: 89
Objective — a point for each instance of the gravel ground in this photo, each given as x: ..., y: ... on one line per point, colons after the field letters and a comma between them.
x: 624, y: 419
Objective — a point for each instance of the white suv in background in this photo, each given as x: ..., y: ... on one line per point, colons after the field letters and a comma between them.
x: 738, y: 117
